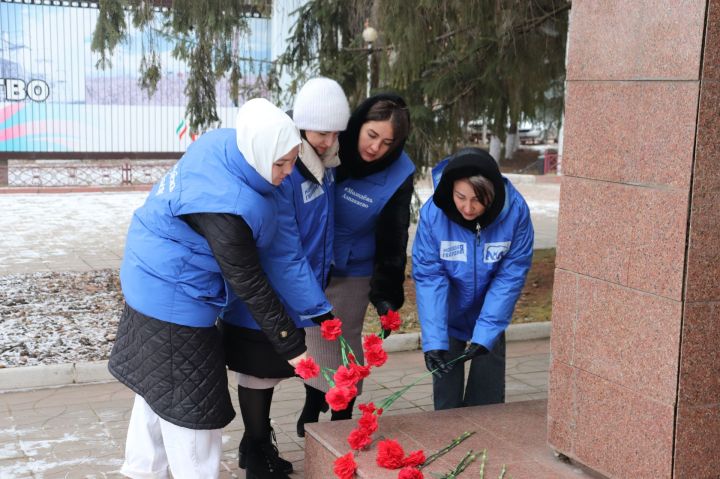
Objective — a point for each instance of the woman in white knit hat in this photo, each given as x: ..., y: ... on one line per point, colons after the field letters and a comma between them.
x: 297, y: 264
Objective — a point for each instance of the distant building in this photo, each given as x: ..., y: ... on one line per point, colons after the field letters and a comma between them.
x: 54, y: 102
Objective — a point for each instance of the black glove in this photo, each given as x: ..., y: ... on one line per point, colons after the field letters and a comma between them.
x: 322, y: 317
x: 474, y: 350
x: 382, y: 309
x: 435, y: 359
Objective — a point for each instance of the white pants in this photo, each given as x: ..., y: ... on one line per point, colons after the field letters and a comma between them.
x: 154, y: 445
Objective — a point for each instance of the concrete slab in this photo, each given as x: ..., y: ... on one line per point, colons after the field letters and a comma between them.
x: 79, y: 430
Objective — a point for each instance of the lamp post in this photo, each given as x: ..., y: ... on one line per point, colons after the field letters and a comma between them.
x: 369, y: 35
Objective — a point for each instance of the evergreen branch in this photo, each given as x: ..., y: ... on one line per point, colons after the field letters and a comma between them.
x: 533, y: 23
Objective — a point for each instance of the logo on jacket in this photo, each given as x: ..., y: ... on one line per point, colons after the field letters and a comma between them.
x: 170, y: 175
x: 356, y: 197
x: 453, y: 251
x: 310, y: 191
x: 494, y: 252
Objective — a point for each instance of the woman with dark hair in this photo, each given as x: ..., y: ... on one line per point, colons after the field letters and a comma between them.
x: 374, y: 187
x: 472, y: 252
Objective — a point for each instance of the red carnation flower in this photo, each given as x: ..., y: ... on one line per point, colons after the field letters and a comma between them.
x: 359, y: 439
x: 345, y: 466
x: 368, y: 421
x: 346, y: 376
x: 414, y: 459
x: 374, y: 353
x: 307, y: 368
x: 390, y: 454
x: 371, y: 341
x: 339, y: 397
x: 391, y: 320
x: 331, y: 329
x: 376, y: 357
x: 367, y: 407
x: 361, y: 371
x: 410, y: 473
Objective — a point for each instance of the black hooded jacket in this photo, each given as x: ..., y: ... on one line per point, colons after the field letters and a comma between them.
x: 463, y: 164
x: 391, y: 230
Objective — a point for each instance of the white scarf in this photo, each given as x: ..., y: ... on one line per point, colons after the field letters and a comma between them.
x: 264, y: 135
x: 317, y: 164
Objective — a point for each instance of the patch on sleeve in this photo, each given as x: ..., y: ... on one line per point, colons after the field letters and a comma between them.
x: 453, y: 251
x: 494, y: 252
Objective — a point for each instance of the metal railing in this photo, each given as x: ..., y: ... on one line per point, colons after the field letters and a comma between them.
x: 77, y: 174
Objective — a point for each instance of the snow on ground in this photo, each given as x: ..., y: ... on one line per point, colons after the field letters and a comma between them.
x: 59, y: 257
x: 55, y: 226
x: 62, y: 317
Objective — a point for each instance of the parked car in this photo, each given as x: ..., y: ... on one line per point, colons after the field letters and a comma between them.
x: 531, y: 136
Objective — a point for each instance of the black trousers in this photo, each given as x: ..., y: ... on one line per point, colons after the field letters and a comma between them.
x: 485, y: 382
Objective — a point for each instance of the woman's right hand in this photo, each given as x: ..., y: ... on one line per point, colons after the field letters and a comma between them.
x: 294, y: 361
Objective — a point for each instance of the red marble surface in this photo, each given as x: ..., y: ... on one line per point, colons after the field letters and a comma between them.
x: 629, y: 338
x: 628, y: 235
x: 703, y: 265
x: 700, y: 355
x: 640, y: 133
x: 514, y: 434
x: 564, y: 314
x: 642, y: 39
x: 711, y: 52
x: 697, y: 450
x: 620, y: 433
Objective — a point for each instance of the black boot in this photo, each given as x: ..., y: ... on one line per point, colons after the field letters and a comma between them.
x: 343, y: 414
x: 262, y: 461
x: 255, y: 410
x: 282, y: 464
x: 314, y: 405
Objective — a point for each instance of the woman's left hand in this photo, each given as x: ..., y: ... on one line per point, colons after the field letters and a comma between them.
x: 294, y: 361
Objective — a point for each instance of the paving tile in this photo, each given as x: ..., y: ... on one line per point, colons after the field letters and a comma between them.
x: 79, y: 431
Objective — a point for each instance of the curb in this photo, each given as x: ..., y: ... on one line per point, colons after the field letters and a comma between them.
x: 54, y: 375
x: 37, y: 377
x: 516, y: 178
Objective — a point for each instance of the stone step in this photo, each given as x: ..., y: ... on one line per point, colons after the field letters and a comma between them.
x: 514, y: 434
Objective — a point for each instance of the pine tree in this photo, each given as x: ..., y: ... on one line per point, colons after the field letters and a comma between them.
x: 452, y: 60
x: 201, y: 32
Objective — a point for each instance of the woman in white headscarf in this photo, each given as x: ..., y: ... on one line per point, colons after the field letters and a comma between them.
x: 193, y: 241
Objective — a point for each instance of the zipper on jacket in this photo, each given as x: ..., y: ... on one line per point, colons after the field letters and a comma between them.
x: 477, y: 243
x: 325, y: 234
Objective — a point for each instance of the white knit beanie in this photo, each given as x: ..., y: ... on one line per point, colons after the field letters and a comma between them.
x: 321, y: 105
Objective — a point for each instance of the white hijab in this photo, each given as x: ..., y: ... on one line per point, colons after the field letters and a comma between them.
x: 264, y: 135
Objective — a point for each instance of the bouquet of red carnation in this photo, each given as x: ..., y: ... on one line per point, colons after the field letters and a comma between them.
x: 390, y: 322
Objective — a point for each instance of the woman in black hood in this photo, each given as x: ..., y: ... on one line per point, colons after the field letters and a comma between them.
x: 471, y: 255
x: 372, y: 215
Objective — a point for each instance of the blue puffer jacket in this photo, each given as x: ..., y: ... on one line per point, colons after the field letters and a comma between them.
x: 469, y: 275
x: 298, y: 260
x: 168, y: 270
x: 358, y: 203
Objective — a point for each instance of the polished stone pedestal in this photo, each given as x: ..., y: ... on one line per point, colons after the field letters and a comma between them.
x: 514, y: 434
x: 634, y: 384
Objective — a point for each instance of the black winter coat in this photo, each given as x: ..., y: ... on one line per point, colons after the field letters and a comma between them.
x: 180, y: 370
